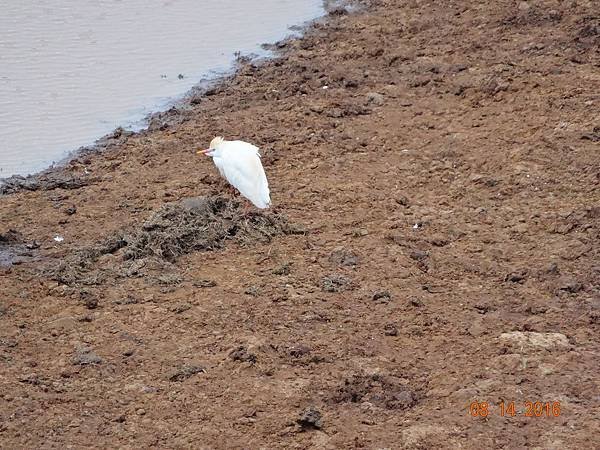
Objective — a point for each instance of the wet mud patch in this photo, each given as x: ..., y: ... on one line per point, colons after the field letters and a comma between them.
x: 175, y: 229
x: 14, y: 249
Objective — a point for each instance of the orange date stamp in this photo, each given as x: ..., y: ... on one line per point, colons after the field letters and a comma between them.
x: 511, y: 409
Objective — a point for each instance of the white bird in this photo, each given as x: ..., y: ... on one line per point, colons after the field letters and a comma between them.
x: 239, y: 163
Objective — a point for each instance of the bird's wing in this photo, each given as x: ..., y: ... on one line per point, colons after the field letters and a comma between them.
x: 243, y: 169
x: 242, y: 145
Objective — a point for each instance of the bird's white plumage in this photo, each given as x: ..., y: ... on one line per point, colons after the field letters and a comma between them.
x: 239, y: 163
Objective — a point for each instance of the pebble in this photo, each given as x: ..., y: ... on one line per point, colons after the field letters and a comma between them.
x: 311, y: 417
x: 374, y: 98
x: 390, y: 330
x: 85, y: 356
x: 382, y: 296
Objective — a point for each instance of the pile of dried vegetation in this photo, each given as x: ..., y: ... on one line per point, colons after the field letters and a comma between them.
x: 194, y: 224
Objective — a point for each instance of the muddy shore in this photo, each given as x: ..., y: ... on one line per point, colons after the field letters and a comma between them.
x: 435, y: 171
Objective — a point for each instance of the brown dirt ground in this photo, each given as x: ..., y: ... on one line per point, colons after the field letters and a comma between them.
x: 443, y: 195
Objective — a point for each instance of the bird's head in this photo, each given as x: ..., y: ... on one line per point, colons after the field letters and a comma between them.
x: 214, y: 147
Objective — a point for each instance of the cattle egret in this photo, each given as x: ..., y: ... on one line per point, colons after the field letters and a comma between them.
x: 239, y: 163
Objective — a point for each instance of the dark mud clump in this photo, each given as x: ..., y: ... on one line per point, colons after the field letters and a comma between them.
x: 85, y: 356
x: 42, y: 182
x: 179, y: 228
x: 11, y: 237
x: 242, y: 354
x: 336, y: 283
x: 185, y: 371
x: 383, y: 391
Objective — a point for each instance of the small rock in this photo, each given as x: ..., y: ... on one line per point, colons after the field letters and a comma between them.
x: 204, y: 283
x: 71, y: 210
x: 531, y: 340
x: 483, y: 307
x: 140, y: 412
x: 493, y: 86
x: 252, y: 290
x: 126, y: 301
x: 310, y: 418
x: 418, y: 255
x: 299, y: 350
x: 518, y: 276
x: 337, y: 11
x: 351, y: 83
x: 456, y: 68
x: 374, y: 98
x: 439, y: 241
x: 536, y: 309
x: 284, y: 269
x: 336, y: 113
x: 32, y: 245
x: 360, y: 232
x: 570, y: 285
x: 85, y: 356
x: 414, y: 301
x: 182, y: 307
x: 335, y: 283
x: 552, y: 269
x: 546, y: 369
x: 382, y: 296
x: 90, y: 302
x: 477, y: 328
x: 458, y: 89
x: 86, y: 318
x: 186, y: 371
x: 343, y: 257
x: 317, y: 108
x: 524, y: 6
x: 390, y: 330
x: 242, y: 354
x: 402, y: 200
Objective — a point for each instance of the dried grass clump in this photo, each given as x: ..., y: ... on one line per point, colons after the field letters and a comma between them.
x: 194, y: 224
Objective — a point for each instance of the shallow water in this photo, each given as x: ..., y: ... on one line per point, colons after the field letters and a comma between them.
x: 73, y: 70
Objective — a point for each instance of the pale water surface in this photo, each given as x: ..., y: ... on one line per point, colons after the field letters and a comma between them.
x: 73, y: 70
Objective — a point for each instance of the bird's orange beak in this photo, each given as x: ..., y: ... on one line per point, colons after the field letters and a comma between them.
x: 203, y: 152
